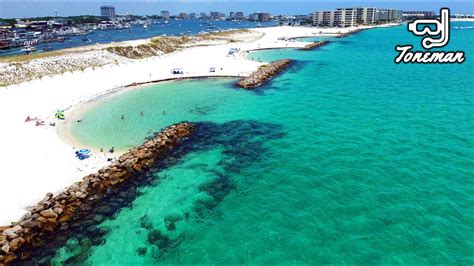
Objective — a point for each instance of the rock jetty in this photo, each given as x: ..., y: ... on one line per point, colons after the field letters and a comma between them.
x: 314, y: 45
x: 264, y: 73
x: 52, y: 214
x: 348, y: 33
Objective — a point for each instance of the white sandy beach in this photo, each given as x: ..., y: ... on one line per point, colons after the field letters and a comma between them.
x: 35, y: 160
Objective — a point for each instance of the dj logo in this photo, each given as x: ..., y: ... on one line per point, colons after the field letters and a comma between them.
x: 432, y: 38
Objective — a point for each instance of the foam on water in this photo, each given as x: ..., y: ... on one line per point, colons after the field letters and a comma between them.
x: 345, y: 158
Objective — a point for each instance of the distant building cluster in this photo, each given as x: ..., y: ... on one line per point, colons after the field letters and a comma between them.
x: 107, y: 12
x: 410, y: 15
x: 350, y: 17
x: 236, y: 15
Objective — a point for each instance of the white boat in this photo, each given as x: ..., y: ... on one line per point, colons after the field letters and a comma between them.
x: 28, y: 49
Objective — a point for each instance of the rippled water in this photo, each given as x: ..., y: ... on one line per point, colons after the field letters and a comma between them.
x: 345, y: 158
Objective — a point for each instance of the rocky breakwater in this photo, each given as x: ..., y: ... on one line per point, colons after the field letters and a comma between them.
x: 349, y: 33
x: 264, y: 73
x: 314, y: 45
x: 53, y: 214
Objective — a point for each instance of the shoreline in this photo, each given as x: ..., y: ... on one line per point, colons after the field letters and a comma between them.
x: 51, y: 159
x: 74, y: 112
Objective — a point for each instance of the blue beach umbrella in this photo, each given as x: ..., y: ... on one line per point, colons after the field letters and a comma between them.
x: 84, y: 151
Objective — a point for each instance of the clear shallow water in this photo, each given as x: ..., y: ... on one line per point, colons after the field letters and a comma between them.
x: 346, y: 158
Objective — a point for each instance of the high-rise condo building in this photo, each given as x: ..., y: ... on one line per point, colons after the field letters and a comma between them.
x: 349, y: 17
x: 165, y: 14
x: 107, y: 12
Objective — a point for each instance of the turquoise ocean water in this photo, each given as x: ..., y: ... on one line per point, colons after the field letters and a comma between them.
x: 346, y: 158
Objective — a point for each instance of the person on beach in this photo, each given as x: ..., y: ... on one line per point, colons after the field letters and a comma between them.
x: 123, y: 117
x: 111, y: 150
x: 164, y: 112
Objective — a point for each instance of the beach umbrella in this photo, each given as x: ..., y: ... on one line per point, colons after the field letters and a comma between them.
x: 59, y: 115
x: 84, y: 151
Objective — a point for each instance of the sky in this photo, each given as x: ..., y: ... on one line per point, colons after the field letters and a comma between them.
x: 35, y: 8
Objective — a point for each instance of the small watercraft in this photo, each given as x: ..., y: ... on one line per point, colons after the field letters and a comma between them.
x: 28, y: 49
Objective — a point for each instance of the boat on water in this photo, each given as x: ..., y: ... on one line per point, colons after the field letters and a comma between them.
x: 77, y: 32
x: 164, y: 22
x: 29, y: 49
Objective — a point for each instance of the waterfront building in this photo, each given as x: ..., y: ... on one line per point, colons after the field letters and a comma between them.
x: 387, y: 15
x: 324, y: 18
x: 349, y: 17
x: 395, y: 14
x: 253, y: 17
x: 183, y: 15
x: 343, y: 17
x: 410, y: 15
x: 107, y: 12
x: 239, y: 15
x: 366, y: 15
x: 231, y: 14
x: 192, y: 15
x: 263, y: 17
x: 259, y: 16
x: 165, y: 14
x: 217, y: 15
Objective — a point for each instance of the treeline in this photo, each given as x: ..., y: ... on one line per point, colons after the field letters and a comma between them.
x: 8, y: 22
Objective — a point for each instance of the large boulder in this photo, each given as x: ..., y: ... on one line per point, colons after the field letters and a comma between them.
x: 6, y: 248
x: 12, y: 232
x: 16, y: 243
x: 49, y: 214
